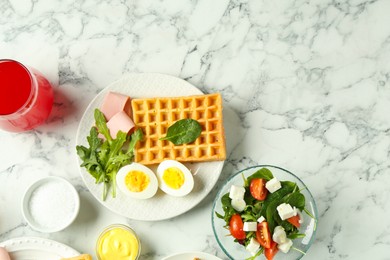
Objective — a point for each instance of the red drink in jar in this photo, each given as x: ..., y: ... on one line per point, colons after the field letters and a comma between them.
x: 26, y: 97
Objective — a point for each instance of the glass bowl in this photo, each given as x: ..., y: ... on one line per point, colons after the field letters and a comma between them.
x: 236, y: 251
x: 119, y: 243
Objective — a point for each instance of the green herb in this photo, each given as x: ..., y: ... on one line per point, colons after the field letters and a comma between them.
x: 101, y: 124
x: 183, y: 131
x: 103, y: 159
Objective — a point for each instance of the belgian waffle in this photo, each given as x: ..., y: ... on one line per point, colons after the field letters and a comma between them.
x: 155, y: 115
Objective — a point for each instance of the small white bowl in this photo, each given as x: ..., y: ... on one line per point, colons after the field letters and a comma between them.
x: 50, y: 204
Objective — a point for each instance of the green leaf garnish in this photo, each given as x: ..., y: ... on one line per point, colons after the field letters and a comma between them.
x: 101, y: 124
x: 183, y: 131
x: 103, y: 159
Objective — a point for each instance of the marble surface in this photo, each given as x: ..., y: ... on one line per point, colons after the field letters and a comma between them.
x: 306, y: 86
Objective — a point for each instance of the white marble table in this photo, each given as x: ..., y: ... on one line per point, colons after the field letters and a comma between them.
x: 305, y: 86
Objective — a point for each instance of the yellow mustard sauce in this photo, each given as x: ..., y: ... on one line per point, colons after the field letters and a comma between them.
x: 117, y: 243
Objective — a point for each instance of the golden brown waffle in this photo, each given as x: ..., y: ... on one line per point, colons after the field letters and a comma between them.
x: 155, y: 115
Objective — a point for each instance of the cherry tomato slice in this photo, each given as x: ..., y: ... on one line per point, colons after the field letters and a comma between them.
x: 263, y: 235
x: 295, y: 221
x: 271, y: 252
x: 257, y: 189
x: 236, y: 226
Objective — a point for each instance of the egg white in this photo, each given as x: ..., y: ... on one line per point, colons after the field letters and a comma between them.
x: 188, y: 184
x: 149, y: 191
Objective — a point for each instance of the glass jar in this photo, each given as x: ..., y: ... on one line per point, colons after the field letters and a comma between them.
x: 26, y: 97
x: 118, y: 241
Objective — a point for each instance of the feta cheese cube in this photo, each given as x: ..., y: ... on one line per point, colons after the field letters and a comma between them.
x: 238, y: 204
x: 285, y: 247
x: 273, y: 185
x: 285, y: 211
x: 279, y: 235
x: 236, y: 192
x: 253, y: 246
x: 260, y: 219
x: 250, y: 226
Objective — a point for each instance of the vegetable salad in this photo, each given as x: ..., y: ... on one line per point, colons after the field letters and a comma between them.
x: 265, y: 214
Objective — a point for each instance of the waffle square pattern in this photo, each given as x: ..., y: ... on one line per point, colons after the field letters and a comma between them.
x: 155, y: 115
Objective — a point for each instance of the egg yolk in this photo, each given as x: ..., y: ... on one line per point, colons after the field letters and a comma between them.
x: 173, y: 178
x: 137, y: 181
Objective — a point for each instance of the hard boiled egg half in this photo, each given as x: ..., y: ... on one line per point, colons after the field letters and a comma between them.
x: 174, y: 178
x: 137, y: 181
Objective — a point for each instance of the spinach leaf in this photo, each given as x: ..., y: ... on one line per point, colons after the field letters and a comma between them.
x: 263, y: 173
x: 295, y: 199
x: 287, y: 187
x: 183, y: 131
x: 273, y: 200
x: 288, y: 227
x: 270, y: 215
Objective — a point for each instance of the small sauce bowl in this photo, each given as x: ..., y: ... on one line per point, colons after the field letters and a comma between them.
x: 118, y: 241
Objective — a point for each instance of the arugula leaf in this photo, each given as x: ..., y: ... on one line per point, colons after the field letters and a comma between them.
x: 256, y: 255
x: 227, y: 208
x: 83, y: 152
x: 103, y: 159
x: 226, y: 201
x: 103, y: 155
x: 101, y: 124
x: 116, y: 146
x: 249, y: 200
x: 89, y: 155
x: 137, y: 136
x: 219, y: 215
x: 183, y: 131
x: 247, y: 216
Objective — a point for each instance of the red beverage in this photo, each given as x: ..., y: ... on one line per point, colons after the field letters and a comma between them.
x: 26, y: 97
